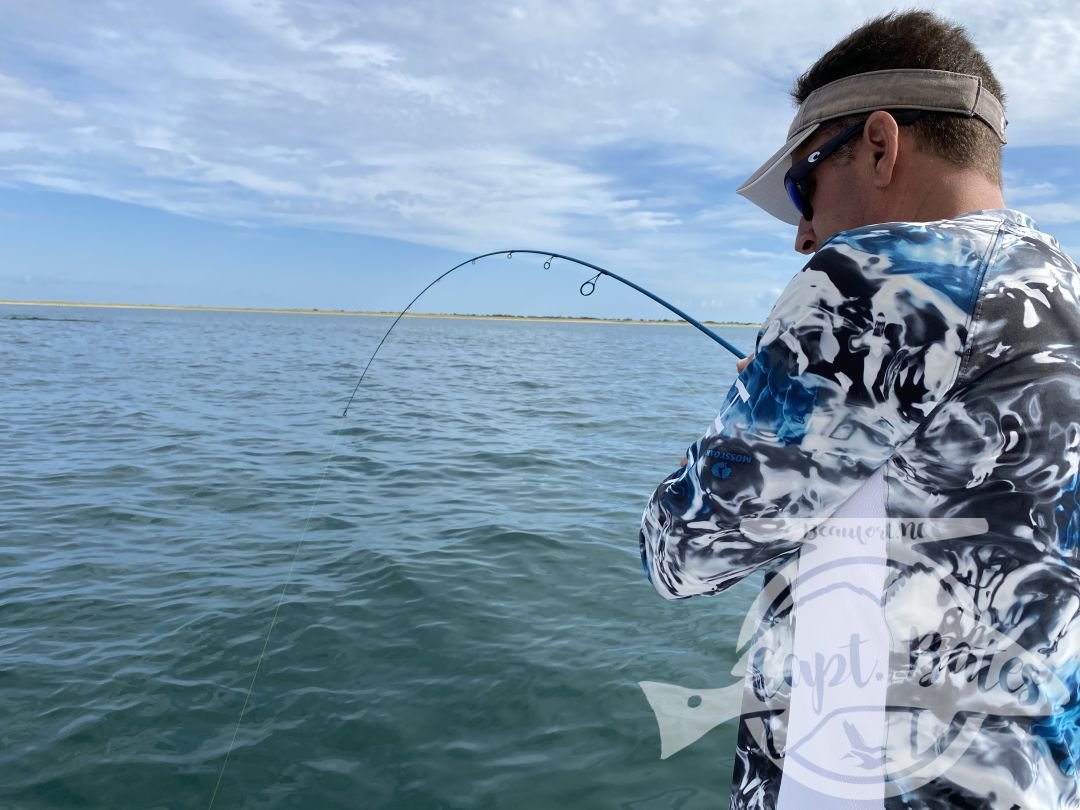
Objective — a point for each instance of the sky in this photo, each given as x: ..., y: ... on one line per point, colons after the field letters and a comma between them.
x: 339, y: 154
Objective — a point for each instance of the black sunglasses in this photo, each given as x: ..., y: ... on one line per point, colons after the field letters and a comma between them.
x: 795, y: 181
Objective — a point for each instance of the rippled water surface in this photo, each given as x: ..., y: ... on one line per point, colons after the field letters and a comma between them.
x: 466, y: 621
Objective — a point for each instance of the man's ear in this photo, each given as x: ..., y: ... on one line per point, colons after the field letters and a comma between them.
x: 882, y: 140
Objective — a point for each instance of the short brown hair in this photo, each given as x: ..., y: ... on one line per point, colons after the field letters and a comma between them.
x: 917, y: 39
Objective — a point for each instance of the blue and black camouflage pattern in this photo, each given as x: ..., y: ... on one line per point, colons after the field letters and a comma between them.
x: 948, y: 354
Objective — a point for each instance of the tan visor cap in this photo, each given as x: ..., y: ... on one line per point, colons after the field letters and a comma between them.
x: 928, y: 90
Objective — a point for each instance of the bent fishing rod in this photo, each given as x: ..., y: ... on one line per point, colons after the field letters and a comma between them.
x: 587, y: 288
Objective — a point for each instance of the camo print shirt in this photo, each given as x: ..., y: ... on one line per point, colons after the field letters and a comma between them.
x: 944, y: 357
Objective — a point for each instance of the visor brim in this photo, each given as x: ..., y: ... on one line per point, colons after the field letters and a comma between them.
x: 765, y: 187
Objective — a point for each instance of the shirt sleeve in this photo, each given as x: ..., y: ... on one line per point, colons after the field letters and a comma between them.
x: 852, y: 359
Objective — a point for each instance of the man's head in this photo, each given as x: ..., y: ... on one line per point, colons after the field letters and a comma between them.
x: 916, y: 39
x: 888, y: 167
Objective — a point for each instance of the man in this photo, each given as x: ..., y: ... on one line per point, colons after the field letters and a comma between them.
x: 923, y: 369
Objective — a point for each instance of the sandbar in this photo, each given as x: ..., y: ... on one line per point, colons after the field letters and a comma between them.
x: 537, y: 318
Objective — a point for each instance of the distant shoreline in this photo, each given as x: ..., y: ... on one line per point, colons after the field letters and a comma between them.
x: 536, y: 318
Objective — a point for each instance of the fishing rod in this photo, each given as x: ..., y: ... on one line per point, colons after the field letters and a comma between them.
x: 587, y: 288
x: 589, y: 285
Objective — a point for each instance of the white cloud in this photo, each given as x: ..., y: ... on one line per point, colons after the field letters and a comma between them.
x: 1037, y: 58
x: 30, y: 109
x: 759, y: 255
x: 462, y: 125
x: 1054, y: 213
x: 1017, y: 191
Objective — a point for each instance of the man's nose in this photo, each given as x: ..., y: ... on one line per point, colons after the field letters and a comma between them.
x: 805, y: 238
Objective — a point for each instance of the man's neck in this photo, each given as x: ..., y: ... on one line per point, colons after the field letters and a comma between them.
x: 946, y: 192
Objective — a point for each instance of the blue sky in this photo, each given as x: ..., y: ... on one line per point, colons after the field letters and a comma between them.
x: 339, y: 155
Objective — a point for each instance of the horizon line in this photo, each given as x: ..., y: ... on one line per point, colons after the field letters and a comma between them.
x: 374, y: 313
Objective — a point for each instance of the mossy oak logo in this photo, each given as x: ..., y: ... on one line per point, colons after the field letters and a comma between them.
x: 723, y: 466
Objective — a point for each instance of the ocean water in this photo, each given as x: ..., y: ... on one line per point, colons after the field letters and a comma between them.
x: 466, y: 620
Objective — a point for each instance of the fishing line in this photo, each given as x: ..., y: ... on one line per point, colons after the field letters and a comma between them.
x: 587, y: 288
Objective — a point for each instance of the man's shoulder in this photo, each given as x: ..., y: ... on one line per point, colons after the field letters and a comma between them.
x: 946, y: 241
x: 988, y: 220
x: 936, y: 241
x: 948, y: 257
